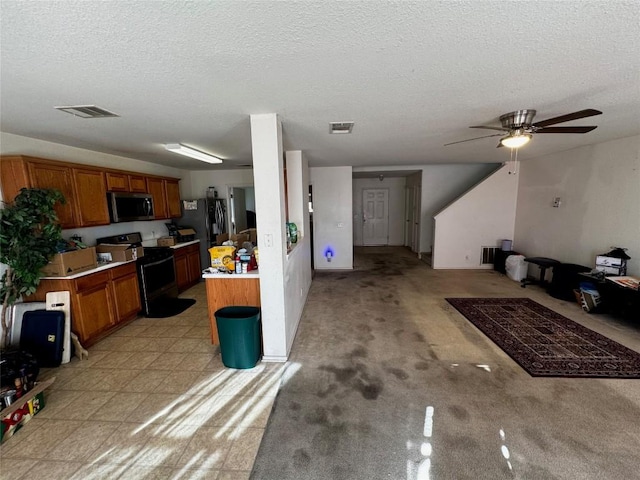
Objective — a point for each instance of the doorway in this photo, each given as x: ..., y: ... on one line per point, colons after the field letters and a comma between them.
x: 241, y: 209
x: 375, y: 226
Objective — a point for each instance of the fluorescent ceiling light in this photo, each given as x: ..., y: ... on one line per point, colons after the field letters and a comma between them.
x: 190, y: 152
x: 515, y: 141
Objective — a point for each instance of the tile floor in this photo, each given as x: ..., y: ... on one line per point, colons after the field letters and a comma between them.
x: 152, y: 402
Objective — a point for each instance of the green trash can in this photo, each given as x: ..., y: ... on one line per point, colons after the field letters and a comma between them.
x: 239, y: 333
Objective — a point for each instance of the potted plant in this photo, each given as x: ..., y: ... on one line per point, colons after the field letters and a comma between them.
x: 29, y: 233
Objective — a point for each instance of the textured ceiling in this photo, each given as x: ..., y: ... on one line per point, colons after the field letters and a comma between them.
x: 412, y: 75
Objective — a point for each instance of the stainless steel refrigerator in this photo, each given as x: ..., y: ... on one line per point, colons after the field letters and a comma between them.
x: 208, y: 217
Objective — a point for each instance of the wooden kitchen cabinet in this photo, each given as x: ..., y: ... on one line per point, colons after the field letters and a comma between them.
x: 91, y: 197
x: 187, y: 263
x: 117, y: 182
x: 43, y: 175
x: 137, y: 184
x: 157, y: 188
x: 173, y: 198
x: 94, y: 306
x: 126, y: 294
x: 85, y: 187
x: 101, y: 302
x: 228, y: 290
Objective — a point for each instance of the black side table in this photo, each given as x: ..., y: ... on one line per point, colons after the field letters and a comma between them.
x: 543, y: 263
x: 616, y: 299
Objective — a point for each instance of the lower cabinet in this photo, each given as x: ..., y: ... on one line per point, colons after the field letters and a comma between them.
x: 100, y: 302
x: 188, y: 270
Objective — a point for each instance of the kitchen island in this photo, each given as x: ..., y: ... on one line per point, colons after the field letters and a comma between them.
x: 225, y: 290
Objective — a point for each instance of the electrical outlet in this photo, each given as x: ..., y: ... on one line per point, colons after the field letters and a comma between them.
x: 340, y: 225
x: 268, y: 240
x: 557, y: 202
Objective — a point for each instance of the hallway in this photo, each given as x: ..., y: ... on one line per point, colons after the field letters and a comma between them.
x: 387, y: 380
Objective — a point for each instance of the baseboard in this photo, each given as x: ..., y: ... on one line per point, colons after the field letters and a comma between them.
x: 274, y: 359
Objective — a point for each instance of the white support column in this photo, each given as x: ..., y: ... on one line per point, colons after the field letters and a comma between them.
x: 268, y: 177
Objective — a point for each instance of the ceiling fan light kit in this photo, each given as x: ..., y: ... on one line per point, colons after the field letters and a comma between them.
x: 191, y: 152
x: 515, y: 141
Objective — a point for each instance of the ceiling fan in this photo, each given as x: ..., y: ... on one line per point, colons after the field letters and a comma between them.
x: 519, y: 127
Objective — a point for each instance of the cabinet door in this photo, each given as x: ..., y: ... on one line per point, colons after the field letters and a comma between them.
x: 182, y: 272
x: 173, y: 198
x: 91, y: 197
x: 137, y: 184
x: 195, y: 271
x: 156, y: 187
x: 96, y: 311
x: 60, y: 178
x: 117, y: 182
x: 126, y: 296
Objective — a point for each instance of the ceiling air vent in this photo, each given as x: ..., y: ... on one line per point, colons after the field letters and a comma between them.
x: 340, y: 127
x: 87, y: 111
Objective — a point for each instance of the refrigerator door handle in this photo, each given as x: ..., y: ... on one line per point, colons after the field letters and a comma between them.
x: 207, y: 224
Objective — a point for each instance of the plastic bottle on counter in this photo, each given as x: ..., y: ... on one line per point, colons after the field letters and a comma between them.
x: 238, y: 264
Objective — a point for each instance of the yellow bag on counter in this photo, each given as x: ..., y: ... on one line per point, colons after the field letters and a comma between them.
x: 223, y: 256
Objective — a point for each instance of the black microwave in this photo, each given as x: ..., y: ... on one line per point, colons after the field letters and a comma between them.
x: 130, y: 207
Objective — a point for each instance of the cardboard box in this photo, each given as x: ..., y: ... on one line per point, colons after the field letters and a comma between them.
x: 186, y: 234
x: 253, y: 235
x: 167, y: 241
x: 68, y: 263
x: 611, y: 265
x: 120, y: 253
x: 238, y: 238
x: 22, y: 410
x: 223, y: 257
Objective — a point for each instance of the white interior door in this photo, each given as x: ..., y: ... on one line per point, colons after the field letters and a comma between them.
x: 375, y: 227
x: 238, y: 210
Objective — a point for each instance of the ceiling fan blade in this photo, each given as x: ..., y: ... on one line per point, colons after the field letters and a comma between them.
x: 488, y: 127
x: 590, y: 112
x: 477, y: 138
x: 566, y: 129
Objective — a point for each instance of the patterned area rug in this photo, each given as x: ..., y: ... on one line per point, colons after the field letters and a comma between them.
x: 545, y: 343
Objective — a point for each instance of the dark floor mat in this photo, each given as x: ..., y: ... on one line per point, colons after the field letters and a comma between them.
x: 168, y: 307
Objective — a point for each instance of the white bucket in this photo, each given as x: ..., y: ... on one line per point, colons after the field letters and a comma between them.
x: 506, y: 245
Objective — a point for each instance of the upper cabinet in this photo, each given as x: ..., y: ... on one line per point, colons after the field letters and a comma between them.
x: 156, y: 187
x: 137, y: 184
x: 91, y: 197
x: 117, y: 182
x: 42, y: 175
x: 85, y: 188
x: 173, y: 198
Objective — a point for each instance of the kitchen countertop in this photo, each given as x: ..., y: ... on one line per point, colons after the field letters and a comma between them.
x: 154, y: 243
x: 233, y: 276
x: 107, y: 266
x: 102, y: 267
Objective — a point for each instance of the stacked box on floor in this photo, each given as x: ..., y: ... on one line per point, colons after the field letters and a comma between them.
x: 23, y: 409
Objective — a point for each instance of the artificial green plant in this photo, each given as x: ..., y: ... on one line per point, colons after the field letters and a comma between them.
x: 29, y: 233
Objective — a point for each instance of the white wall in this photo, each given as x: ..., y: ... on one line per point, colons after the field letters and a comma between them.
x: 396, y: 186
x: 332, y: 207
x: 201, y: 180
x: 481, y: 217
x: 297, y: 277
x: 599, y: 186
x: 441, y: 184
